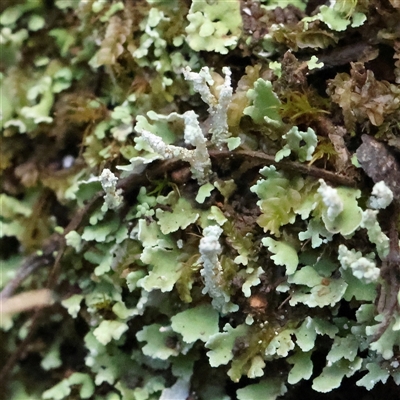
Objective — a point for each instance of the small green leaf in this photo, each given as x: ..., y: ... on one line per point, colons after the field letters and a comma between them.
x: 281, y: 344
x: 100, y: 231
x: 181, y: 217
x: 58, y: 392
x: 150, y: 234
x: 325, y: 294
x: 269, y: 389
x: 333, y: 18
x: 197, y: 323
x: 122, y: 312
x: 333, y: 374
x: 213, y: 26
x: 132, y: 279
x: 73, y: 239
x: 302, y: 143
x: 285, y: 254
x: 302, y: 367
x: 109, y: 330
x: 157, y: 337
x: 166, y: 270
x: 233, y: 143
x: 221, y: 344
x: 63, y: 389
x: 52, y: 359
x: 313, y: 63
x: 73, y: 304
x: 307, y: 276
x: 388, y: 341
x: 375, y: 375
x: 255, y: 371
x: 10, y: 207
x: 87, y: 389
x: 204, y: 192
x: 252, y: 279
x: 306, y: 335
x: 214, y: 214
x: 265, y: 103
x: 343, y: 348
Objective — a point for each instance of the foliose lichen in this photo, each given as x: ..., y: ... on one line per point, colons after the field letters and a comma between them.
x: 179, y: 179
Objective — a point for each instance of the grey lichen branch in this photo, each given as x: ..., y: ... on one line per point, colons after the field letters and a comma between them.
x: 218, y: 107
x: 198, y: 158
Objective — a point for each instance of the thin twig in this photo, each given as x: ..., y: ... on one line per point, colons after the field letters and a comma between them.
x: 28, y: 267
x: 266, y: 159
x: 390, y: 274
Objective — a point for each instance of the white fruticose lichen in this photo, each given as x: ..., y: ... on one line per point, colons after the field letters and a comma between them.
x: 201, y: 82
x: 331, y: 199
x: 112, y: 198
x: 198, y: 158
x: 218, y: 107
x: 219, y: 121
x: 375, y: 234
x: 363, y: 268
x: 212, y: 272
x: 193, y: 135
x: 381, y: 197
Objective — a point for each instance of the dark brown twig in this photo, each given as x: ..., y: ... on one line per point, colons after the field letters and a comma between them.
x: 28, y: 267
x: 390, y: 273
x: 266, y: 159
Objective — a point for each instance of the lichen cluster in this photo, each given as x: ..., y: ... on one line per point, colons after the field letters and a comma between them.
x: 187, y: 208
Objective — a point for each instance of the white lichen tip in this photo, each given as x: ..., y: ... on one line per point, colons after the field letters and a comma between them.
x: 218, y: 105
x: 375, y: 234
x: 108, y: 180
x: 331, y: 199
x: 158, y: 145
x: 193, y: 133
x: 209, y: 244
x: 381, y: 197
x: 219, y: 114
x: 201, y: 82
x: 198, y: 158
x: 362, y: 268
x: 112, y: 198
x: 212, y: 272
